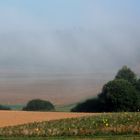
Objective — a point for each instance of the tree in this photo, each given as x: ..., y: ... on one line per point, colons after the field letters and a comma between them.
x: 90, y: 105
x: 138, y: 85
x: 119, y: 95
x: 39, y: 105
x: 126, y: 74
x: 116, y: 96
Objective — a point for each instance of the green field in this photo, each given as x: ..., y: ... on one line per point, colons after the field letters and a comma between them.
x: 58, y: 108
x: 104, y: 124
x: 64, y: 108
x: 16, y: 107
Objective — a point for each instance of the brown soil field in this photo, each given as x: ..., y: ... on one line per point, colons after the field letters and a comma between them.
x: 11, y: 118
x: 59, y: 89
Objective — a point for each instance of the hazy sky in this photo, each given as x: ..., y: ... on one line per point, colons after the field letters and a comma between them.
x: 69, y: 35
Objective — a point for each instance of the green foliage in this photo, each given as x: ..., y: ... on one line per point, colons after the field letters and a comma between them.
x: 15, y: 107
x: 120, y: 94
x: 117, y: 95
x: 4, y: 107
x: 64, y: 108
x: 90, y: 105
x: 138, y: 85
x: 39, y: 105
x: 98, y: 124
x: 126, y: 74
x: 102, y: 137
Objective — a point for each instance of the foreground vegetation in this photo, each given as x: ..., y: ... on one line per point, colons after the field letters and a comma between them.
x: 97, y: 125
x: 74, y: 138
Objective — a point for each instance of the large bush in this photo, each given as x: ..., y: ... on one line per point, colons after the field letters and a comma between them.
x: 39, y: 105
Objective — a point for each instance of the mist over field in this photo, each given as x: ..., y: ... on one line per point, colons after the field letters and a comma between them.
x: 79, y: 50
x: 64, y: 49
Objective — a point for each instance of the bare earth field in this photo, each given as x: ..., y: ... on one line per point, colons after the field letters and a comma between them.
x: 11, y: 118
x: 60, y: 89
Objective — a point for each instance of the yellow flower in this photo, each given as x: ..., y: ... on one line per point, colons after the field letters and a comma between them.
x: 106, y: 124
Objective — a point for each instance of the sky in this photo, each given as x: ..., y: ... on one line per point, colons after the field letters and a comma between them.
x: 69, y: 35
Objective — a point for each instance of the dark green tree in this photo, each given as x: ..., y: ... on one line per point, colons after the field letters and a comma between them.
x: 90, y: 105
x: 116, y: 96
x: 138, y: 85
x: 126, y: 74
x: 39, y: 105
x: 119, y: 95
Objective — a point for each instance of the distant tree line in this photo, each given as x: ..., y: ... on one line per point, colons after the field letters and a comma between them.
x: 120, y: 94
x: 2, y: 107
x: 34, y: 105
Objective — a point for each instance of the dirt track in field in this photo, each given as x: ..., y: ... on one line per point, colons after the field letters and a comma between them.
x: 11, y: 118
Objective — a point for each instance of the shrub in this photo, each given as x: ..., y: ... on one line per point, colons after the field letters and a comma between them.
x: 39, y: 105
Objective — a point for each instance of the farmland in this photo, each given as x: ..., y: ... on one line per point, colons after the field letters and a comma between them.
x: 75, y: 138
x: 106, y: 124
x: 60, y: 89
x: 11, y: 118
